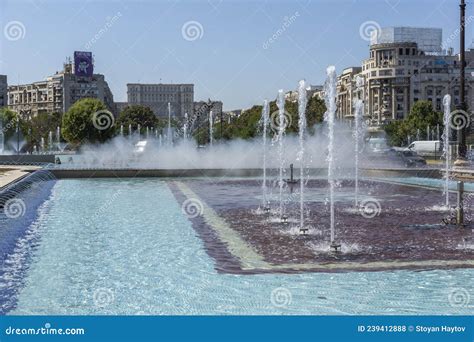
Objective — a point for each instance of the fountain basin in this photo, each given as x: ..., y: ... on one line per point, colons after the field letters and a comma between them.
x: 132, y: 240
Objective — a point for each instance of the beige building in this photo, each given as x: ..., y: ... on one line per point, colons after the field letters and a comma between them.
x: 58, y: 93
x: 311, y: 90
x: 347, y: 92
x: 157, y: 96
x: 398, y: 74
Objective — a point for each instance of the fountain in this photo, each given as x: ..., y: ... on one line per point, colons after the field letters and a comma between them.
x: 265, y: 119
x: 428, y: 132
x: 211, y: 134
x: 50, y: 141
x: 18, y: 143
x: 2, y: 138
x: 302, y: 102
x: 58, y: 138
x: 160, y: 140
x: 147, y: 133
x: 281, y: 133
x: 446, y: 149
x: 130, y: 131
x: 168, y: 134
x: 42, y: 146
x: 121, y: 131
x: 330, y: 99
x: 358, y: 134
x: 139, y: 128
x: 185, y: 127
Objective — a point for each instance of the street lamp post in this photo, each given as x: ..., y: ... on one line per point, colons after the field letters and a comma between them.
x: 462, y: 107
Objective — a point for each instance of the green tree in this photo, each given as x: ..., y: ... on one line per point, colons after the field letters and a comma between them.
x: 9, y: 120
x: 421, y: 115
x: 248, y: 124
x: 315, y: 111
x: 138, y: 115
x: 87, y: 120
x: 201, y: 135
x: 39, y: 126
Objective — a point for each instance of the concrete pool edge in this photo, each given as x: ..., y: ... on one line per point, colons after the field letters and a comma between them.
x: 64, y: 173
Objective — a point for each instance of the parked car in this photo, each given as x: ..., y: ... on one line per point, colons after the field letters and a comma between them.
x: 405, y: 157
x: 411, y: 158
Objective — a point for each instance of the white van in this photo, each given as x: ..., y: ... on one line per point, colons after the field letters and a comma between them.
x: 426, y: 148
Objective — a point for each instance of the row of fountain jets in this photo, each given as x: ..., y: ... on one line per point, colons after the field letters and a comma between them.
x: 330, y: 99
x: 329, y: 118
x: 54, y: 142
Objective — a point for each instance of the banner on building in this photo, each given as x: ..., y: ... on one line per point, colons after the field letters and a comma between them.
x: 83, y: 65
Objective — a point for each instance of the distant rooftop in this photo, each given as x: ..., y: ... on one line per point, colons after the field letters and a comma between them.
x: 428, y: 40
x: 160, y: 84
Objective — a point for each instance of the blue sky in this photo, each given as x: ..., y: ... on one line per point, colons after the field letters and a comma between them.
x: 231, y: 60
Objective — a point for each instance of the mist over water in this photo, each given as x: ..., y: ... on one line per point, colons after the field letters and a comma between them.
x: 121, y: 152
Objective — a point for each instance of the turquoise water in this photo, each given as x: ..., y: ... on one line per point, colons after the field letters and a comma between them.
x: 125, y: 247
